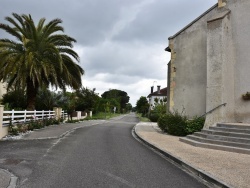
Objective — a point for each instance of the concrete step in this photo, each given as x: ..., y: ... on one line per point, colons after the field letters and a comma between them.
x: 223, y: 138
x: 227, y: 129
x: 215, y: 146
x: 221, y: 133
x: 218, y: 142
x: 234, y: 125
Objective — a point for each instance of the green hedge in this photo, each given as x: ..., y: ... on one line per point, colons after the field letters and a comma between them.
x: 194, y: 125
x: 178, y: 125
x: 154, y: 117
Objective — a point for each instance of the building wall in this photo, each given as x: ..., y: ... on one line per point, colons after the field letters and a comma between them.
x: 210, y: 64
x: 188, y: 69
x: 240, y: 14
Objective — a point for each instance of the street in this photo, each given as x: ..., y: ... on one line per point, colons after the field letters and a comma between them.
x: 102, y: 155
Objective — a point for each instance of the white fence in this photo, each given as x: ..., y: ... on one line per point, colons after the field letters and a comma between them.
x: 24, y: 116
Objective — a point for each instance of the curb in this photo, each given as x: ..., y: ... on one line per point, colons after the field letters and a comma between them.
x: 201, y: 175
x: 13, y: 179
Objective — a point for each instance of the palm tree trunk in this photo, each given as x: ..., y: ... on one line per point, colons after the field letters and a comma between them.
x: 31, y: 94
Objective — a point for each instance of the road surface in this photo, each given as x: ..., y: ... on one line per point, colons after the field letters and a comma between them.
x: 103, y: 155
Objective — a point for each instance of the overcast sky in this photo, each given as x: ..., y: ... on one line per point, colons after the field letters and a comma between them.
x: 120, y: 42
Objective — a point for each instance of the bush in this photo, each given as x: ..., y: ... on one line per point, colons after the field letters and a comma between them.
x: 173, y: 123
x: 178, y: 125
x: 194, y: 125
x: 154, y: 117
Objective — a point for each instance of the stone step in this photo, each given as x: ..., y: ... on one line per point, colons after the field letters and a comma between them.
x: 215, y: 146
x: 227, y: 129
x: 234, y: 125
x: 223, y: 138
x: 221, y: 133
x: 219, y: 142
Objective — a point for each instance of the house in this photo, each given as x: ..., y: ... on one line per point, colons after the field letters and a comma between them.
x: 159, y: 95
x: 210, y: 64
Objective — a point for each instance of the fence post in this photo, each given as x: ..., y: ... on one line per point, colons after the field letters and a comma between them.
x: 55, y: 109
x: 90, y: 113
x: 59, y: 111
x: 12, y: 115
x: 35, y: 114
x: 1, y: 120
x: 25, y: 114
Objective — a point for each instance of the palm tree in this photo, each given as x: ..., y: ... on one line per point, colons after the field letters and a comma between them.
x: 40, y: 57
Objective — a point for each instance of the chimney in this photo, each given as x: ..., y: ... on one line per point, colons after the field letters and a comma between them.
x: 158, y: 89
x: 152, y: 89
x: 222, y: 3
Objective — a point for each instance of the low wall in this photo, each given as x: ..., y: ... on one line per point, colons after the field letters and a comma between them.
x: 3, y: 131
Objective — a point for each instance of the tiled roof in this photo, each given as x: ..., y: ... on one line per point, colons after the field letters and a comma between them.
x: 163, y: 92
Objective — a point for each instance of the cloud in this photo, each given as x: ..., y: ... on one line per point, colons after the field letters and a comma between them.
x: 120, y: 42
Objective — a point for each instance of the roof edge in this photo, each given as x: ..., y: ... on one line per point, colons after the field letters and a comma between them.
x: 179, y: 32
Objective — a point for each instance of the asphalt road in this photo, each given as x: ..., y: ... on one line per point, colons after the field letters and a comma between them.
x: 104, y: 155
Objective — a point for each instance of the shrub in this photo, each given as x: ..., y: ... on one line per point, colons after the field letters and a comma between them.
x: 13, y: 130
x: 162, y: 122
x: 178, y: 125
x: 173, y: 123
x: 154, y: 116
x: 194, y: 125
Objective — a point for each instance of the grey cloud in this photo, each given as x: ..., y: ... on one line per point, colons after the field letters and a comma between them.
x: 132, y: 60
x: 88, y: 21
x: 157, y: 21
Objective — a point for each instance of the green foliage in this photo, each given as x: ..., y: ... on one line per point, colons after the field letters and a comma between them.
x: 47, y: 99
x: 194, y: 125
x: 173, y: 123
x: 141, y: 118
x: 120, y: 96
x: 15, y: 129
x: 102, y: 115
x: 86, y: 100
x: 40, y: 57
x: 178, y: 125
x: 14, y: 99
x: 142, y: 105
x: 153, y: 116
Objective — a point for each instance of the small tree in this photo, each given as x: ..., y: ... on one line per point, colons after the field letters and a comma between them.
x: 142, y: 105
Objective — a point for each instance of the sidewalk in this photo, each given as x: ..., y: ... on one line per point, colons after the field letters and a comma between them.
x: 231, y: 169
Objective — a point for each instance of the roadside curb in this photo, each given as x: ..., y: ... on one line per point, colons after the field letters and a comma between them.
x: 63, y: 134
x: 200, y: 174
x: 13, y: 178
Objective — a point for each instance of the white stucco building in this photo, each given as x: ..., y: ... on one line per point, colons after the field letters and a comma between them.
x: 160, y: 94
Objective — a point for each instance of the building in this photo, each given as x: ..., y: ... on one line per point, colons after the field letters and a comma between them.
x: 160, y: 95
x: 209, y: 66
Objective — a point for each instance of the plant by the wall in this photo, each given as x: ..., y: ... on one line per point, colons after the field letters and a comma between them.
x: 246, y: 96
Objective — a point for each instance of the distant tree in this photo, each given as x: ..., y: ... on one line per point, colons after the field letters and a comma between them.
x: 15, y: 99
x: 86, y: 100
x: 120, y: 96
x: 47, y: 100
x: 129, y: 107
x: 142, y: 105
x: 40, y: 57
